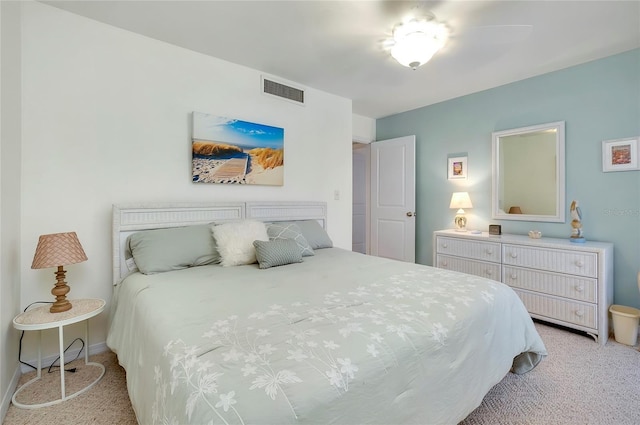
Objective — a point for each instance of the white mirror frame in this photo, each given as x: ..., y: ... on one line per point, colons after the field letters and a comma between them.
x: 496, y: 212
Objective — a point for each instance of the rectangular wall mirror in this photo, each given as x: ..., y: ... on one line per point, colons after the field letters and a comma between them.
x: 529, y: 174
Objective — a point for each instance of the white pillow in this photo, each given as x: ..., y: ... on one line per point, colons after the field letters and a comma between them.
x: 235, y: 241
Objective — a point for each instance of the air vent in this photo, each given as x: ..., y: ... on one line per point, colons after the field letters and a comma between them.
x: 283, y: 91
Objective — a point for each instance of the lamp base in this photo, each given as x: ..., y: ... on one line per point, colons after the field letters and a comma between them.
x: 60, y: 306
x: 60, y: 291
x: 461, y: 223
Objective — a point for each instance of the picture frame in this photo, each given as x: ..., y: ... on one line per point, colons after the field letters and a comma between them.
x: 620, y: 155
x: 232, y: 151
x: 495, y: 229
x: 457, y: 168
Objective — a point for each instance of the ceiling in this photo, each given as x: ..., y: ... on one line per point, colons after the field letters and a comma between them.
x: 339, y: 46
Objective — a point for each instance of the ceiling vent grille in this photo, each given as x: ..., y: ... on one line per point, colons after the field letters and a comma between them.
x: 283, y: 91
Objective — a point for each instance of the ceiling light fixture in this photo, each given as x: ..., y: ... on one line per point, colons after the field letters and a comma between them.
x: 417, y: 40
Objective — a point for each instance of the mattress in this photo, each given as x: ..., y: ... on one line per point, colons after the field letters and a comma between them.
x: 341, y: 338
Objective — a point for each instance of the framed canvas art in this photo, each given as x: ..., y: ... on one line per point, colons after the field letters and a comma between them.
x: 231, y: 151
x: 620, y: 155
x: 457, y: 168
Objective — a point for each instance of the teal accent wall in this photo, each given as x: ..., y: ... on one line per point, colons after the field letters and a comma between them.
x: 598, y: 101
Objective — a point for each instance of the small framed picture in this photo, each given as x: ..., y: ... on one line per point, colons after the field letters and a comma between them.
x: 457, y: 168
x: 620, y: 155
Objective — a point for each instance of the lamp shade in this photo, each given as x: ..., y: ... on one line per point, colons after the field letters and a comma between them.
x: 416, y: 41
x: 460, y: 200
x: 58, y: 249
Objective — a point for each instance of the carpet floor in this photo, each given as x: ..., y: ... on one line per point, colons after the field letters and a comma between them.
x: 580, y: 382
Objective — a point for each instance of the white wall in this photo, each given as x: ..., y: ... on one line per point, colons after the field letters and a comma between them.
x: 9, y: 198
x: 364, y: 129
x: 106, y: 120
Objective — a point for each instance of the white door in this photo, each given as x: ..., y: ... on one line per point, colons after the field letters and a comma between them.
x: 393, y: 200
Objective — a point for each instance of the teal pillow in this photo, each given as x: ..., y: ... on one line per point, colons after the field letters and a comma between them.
x: 277, y: 252
x: 163, y: 250
x: 277, y: 231
x: 315, y: 234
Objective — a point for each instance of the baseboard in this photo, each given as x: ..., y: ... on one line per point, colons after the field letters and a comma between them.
x: 6, y: 398
x: 98, y: 348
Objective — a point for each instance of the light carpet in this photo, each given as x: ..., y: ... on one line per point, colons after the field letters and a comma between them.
x: 580, y: 382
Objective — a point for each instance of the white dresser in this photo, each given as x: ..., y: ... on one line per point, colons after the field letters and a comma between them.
x: 566, y: 283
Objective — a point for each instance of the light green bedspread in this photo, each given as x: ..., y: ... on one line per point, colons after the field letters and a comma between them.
x: 341, y: 338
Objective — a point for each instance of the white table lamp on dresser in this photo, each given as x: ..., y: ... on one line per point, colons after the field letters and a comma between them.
x: 558, y: 281
x: 460, y: 201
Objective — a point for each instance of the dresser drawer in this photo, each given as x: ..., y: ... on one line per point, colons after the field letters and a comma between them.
x: 559, y: 309
x: 478, y: 268
x: 555, y: 260
x: 479, y: 250
x: 562, y: 285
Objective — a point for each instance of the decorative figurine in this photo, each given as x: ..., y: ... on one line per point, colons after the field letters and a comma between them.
x: 576, y: 223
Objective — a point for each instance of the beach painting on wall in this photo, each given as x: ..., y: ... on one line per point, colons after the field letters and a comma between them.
x: 232, y: 151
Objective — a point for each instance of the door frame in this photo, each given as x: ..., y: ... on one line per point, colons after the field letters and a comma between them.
x: 366, y: 148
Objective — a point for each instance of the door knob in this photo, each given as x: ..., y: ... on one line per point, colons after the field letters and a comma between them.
x: 411, y: 214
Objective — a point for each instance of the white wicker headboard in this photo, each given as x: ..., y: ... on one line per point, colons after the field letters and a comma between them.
x: 130, y: 218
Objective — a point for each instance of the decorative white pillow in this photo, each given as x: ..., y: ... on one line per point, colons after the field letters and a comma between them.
x: 235, y: 241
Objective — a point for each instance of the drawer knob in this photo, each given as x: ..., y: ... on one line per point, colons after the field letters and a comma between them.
x: 579, y: 263
x: 579, y: 313
x: 514, y: 255
x: 488, y: 272
x: 579, y: 288
x: 514, y: 276
x: 444, y: 264
x: 444, y: 245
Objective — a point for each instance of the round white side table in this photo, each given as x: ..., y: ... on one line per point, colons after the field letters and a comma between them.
x: 39, y: 319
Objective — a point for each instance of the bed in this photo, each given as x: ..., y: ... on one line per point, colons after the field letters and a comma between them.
x: 326, y: 337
